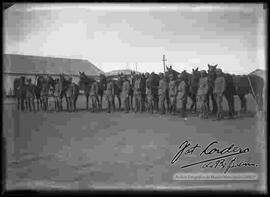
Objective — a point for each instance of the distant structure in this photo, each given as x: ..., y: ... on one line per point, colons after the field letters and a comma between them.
x: 124, y: 71
x: 15, y: 66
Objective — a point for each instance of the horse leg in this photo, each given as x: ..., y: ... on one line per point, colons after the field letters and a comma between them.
x: 208, y: 101
x: 214, y: 103
x: 243, y: 103
x: 47, y: 103
x: 113, y: 102
x: 260, y: 101
x: 87, y: 101
x: 22, y: 103
x: 230, y: 100
x: 18, y: 103
x: 192, y: 103
x: 29, y: 104
x: 101, y: 100
x: 33, y: 103
x: 119, y: 101
x: 26, y: 105
x: 75, y: 103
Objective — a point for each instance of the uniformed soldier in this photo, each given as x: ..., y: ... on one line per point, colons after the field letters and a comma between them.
x: 94, y: 95
x: 45, y: 93
x: 109, y: 95
x: 149, y: 95
x: 182, y: 94
x: 57, y: 95
x: 143, y: 90
x: 202, y: 94
x: 162, y: 91
x: 69, y: 94
x: 138, y: 93
x: 125, y: 94
x: 30, y: 95
x: 219, y: 88
x: 172, y: 95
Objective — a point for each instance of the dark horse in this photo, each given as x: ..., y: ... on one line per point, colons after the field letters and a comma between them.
x: 20, y: 92
x: 38, y: 83
x: 47, y: 83
x: 102, y: 85
x: 154, y: 84
x: 174, y: 74
x: 249, y: 84
x: 117, y: 83
x: 193, y: 83
x: 228, y: 93
x: 85, y: 85
x: 65, y: 86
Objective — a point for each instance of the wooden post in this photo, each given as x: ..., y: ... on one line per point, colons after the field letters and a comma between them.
x: 163, y: 60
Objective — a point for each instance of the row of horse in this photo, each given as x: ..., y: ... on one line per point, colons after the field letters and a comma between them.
x: 239, y: 85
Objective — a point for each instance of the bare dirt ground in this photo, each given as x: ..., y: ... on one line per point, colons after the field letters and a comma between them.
x: 85, y: 150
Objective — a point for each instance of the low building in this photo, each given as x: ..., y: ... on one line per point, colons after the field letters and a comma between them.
x: 124, y: 71
x: 15, y: 66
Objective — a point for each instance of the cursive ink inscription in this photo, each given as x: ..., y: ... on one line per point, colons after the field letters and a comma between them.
x: 212, y: 149
x: 227, y: 165
x: 186, y: 148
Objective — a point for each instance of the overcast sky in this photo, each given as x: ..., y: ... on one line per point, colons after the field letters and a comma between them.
x: 119, y: 36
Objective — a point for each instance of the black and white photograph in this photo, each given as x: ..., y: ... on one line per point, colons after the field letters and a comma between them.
x: 134, y: 96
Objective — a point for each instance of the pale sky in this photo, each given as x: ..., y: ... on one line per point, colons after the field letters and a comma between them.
x: 119, y: 36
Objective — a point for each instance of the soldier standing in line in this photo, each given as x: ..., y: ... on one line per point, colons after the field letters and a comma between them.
x: 138, y: 93
x: 149, y: 97
x: 202, y: 95
x: 57, y: 95
x: 109, y: 95
x: 162, y: 90
x: 125, y: 92
x: 172, y: 95
x: 94, y: 95
x: 69, y: 94
x: 143, y: 89
x: 182, y: 94
x: 30, y: 95
x: 219, y: 89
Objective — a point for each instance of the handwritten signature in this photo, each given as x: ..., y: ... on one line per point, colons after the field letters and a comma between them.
x: 186, y: 148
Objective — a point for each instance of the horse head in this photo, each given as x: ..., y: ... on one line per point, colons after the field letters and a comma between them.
x: 212, y: 68
x: 212, y: 74
x: 195, y: 76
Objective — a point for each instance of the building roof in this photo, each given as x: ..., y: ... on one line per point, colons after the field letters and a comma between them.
x: 124, y: 71
x: 14, y: 63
